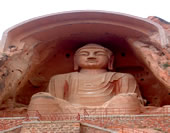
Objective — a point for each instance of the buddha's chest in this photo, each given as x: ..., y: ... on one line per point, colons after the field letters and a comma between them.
x: 91, y: 82
x: 89, y: 88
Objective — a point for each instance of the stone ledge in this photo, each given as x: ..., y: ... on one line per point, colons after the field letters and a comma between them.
x: 48, y: 122
x: 13, y: 128
x: 112, y: 116
x: 97, y: 127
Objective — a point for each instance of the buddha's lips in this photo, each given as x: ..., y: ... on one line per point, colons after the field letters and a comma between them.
x: 92, y: 60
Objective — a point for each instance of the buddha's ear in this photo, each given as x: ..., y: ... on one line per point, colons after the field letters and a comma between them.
x: 76, y: 67
x: 111, y: 61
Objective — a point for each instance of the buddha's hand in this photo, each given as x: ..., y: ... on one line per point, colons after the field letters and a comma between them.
x: 127, y: 94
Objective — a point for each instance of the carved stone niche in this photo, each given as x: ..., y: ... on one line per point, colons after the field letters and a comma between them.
x: 37, y: 49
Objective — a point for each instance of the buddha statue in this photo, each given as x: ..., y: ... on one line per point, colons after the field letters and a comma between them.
x: 92, y: 85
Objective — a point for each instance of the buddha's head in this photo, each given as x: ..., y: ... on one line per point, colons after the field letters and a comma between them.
x: 93, y: 56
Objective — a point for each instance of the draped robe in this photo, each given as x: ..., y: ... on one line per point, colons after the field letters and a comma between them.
x: 94, y: 90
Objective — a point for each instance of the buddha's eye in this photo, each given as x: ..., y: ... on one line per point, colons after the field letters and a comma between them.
x: 100, y: 53
x: 83, y: 53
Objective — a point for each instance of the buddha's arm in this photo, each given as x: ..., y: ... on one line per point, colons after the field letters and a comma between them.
x: 128, y: 84
x: 57, y: 86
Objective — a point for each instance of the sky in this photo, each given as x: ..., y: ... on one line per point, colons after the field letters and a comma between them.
x: 13, y: 12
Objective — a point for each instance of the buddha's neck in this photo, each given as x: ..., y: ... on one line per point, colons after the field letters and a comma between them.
x: 92, y: 71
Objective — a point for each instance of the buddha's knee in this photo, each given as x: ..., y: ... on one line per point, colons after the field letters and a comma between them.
x: 42, y: 95
x: 45, y: 103
x: 41, y: 99
x: 124, y: 100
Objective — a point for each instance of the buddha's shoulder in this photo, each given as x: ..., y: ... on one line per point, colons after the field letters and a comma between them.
x: 64, y: 76
x: 119, y: 74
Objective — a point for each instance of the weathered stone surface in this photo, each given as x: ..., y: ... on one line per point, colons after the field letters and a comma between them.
x: 36, y: 50
x: 55, y: 127
x: 93, y: 84
x: 166, y: 26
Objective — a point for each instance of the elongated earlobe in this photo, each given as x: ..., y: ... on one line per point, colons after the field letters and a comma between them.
x: 110, y: 64
x: 76, y: 67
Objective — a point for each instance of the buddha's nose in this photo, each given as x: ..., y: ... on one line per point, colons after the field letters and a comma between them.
x: 91, y: 59
x: 91, y: 56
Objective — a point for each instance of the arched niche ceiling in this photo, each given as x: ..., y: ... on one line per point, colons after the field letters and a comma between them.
x: 82, y: 26
x: 59, y: 35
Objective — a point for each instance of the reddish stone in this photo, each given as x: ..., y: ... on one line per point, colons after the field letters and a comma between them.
x: 36, y: 50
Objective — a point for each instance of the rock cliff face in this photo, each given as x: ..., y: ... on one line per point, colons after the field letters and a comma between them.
x: 38, y: 49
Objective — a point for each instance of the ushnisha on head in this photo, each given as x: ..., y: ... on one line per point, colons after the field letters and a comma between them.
x: 93, y: 56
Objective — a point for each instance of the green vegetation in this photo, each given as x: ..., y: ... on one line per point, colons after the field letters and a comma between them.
x: 166, y: 65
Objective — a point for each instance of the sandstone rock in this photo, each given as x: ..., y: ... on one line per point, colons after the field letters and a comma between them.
x: 36, y: 50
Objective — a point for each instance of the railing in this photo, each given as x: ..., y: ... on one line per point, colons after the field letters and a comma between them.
x: 89, y: 111
x: 102, y: 117
x: 10, y: 123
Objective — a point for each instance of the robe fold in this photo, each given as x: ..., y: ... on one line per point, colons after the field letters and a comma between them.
x: 93, y: 90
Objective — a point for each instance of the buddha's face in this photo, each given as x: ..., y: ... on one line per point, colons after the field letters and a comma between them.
x: 93, y: 58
